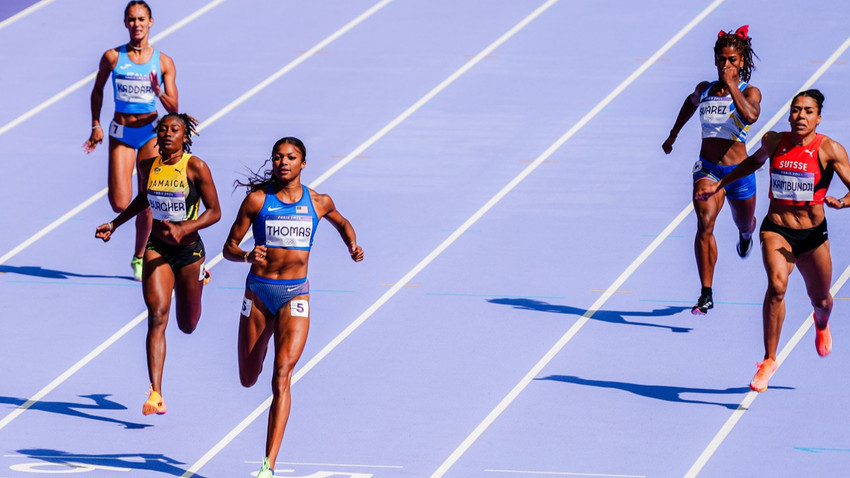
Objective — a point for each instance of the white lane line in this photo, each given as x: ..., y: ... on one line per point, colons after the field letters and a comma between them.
x: 215, y: 117
x: 94, y: 353
x: 230, y: 436
x: 67, y: 91
x: 751, y: 396
x: 25, y: 12
x: 88, y: 79
x: 721, y: 435
x: 72, y: 370
x: 562, y: 342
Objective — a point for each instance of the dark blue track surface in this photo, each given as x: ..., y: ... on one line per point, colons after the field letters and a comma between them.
x: 443, y: 363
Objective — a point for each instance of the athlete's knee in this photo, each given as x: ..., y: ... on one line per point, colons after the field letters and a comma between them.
x: 282, y: 379
x: 776, y: 290
x: 824, y: 303
x: 248, y: 377
x: 157, y: 317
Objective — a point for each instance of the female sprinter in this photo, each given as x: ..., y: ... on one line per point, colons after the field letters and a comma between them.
x: 140, y: 75
x: 802, y: 163
x: 727, y: 108
x: 173, y: 186
x: 283, y: 215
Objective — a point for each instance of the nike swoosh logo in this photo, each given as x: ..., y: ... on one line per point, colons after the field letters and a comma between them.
x: 275, y: 208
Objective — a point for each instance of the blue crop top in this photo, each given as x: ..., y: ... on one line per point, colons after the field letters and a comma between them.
x: 285, y: 225
x: 131, y: 85
x: 719, y: 118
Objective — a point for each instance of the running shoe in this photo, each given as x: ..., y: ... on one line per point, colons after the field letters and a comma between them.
x: 823, y: 340
x: 265, y: 471
x: 766, y: 369
x: 136, y: 264
x: 704, y: 303
x: 155, y: 404
x: 207, y: 276
x: 744, y: 246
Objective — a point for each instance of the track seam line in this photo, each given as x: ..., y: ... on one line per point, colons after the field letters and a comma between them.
x: 561, y: 343
x: 736, y: 416
x: 416, y: 269
x: 139, y: 318
x: 25, y: 12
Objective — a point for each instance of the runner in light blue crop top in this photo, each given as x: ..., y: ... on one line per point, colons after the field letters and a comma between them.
x: 131, y: 131
x: 131, y: 84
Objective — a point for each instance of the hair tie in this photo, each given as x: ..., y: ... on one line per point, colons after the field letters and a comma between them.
x: 741, y: 33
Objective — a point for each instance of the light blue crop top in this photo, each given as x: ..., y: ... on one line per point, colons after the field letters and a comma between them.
x: 131, y: 84
x: 285, y: 225
x: 719, y: 118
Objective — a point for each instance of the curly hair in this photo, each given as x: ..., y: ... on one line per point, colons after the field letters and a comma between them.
x: 740, y: 41
x: 190, y: 126
x: 260, y: 180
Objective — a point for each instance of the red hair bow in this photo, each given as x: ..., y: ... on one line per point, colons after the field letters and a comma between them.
x: 741, y: 32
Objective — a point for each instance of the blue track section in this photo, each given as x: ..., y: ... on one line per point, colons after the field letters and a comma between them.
x: 439, y: 355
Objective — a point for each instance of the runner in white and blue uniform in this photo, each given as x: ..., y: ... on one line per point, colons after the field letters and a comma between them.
x: 140, y: 74
x: 727, y: 108
x: 283, y: 215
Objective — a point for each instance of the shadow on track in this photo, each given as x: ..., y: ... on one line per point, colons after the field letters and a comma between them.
x: 659, y: 392
x: 610, y: 316
x: 74, y: 463
x: 76, y: 409
x: 37, y: 271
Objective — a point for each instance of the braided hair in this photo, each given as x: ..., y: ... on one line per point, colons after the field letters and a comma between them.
x: 190, y: 128
x: 257, y: 180
x: 740, y: 41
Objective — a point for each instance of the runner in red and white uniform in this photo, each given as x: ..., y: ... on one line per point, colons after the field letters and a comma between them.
x: 793, y: 233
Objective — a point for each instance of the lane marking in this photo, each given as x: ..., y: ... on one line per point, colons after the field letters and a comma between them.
x: 210, y: 264
x: 416, y: 269
x: 73, y: 369
x: 526, y: 380
x: 721, y: 435
x: 215, y: 117
x: 25, y: 12
x: 88, y: 79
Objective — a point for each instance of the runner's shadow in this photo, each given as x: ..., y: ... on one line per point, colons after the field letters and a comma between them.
x: 117, y: 462
x: 76, y: 409
x: 610, y: 316
x: 659, y: 392
x: 36, y: 271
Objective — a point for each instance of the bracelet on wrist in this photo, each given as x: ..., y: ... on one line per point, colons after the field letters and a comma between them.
x: 97, y: 126
x: 841, y: 201
x: 245, y: 257
x: 111, y: 227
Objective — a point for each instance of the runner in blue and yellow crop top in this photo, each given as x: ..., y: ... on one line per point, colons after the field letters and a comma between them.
x: 140, y: 74
x: 727, y: 107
